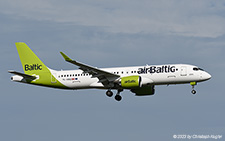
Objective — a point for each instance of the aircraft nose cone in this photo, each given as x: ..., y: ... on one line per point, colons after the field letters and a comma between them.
x: 207, y: 76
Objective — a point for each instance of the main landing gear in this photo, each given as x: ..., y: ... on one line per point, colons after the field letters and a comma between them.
x: 118, y: 97
x: 109, y: 93
x: 193, y: 86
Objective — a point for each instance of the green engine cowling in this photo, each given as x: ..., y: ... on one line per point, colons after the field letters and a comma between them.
x: 135, y: 81
x: 139, y: 85
x: 131, y: 81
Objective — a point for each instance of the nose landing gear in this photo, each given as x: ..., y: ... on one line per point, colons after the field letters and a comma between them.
x: 193, y: 86
x: 193, y: 91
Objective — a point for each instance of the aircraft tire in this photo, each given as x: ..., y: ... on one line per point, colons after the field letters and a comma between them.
x: 109, y: 93
x: 118, y: 97
x: 193, y: 91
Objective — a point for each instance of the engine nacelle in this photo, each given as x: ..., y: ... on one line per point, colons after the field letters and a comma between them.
x: 17, y: 78
x: 143, y: 91
x: 131, y: 82
x: 135, y: 81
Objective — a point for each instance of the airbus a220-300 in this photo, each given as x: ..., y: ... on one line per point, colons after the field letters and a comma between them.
x: 140, y: 80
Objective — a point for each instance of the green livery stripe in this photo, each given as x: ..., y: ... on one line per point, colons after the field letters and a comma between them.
x: 32, y: 65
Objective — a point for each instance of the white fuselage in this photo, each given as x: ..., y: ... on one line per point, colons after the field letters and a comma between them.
x: 140, y: 80
x: 156, y: 74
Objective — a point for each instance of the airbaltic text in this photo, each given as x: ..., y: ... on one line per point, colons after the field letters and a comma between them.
x: 157, y: 69
x: 32, y: 67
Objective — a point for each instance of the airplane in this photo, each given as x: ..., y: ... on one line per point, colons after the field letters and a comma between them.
x: 140, y: 80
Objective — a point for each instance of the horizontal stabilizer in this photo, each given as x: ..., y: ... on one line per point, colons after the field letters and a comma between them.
x: 22, y: 74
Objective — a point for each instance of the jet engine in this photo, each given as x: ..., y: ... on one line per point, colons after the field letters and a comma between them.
x: 138, y: 84
x: 135, y: 81
x: 17, y: 78
x: 143, y: 91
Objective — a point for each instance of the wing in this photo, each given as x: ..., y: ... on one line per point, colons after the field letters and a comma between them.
x: 22, y: 74
x: 104, y: 77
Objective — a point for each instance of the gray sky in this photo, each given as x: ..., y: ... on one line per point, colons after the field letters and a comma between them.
x: 109, y: 34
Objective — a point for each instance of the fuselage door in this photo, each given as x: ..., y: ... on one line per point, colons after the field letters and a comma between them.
x: 183, y: 71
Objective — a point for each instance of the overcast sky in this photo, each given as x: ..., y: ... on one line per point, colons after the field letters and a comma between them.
x: 109, y: 34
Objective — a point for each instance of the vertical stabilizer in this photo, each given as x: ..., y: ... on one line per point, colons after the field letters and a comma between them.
x: 30, y: 62
x: 33, y: 66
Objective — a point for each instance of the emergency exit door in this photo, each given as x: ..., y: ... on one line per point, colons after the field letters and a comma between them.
x: 183, y: 71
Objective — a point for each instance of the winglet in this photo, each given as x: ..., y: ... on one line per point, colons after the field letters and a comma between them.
x: 66, y: 57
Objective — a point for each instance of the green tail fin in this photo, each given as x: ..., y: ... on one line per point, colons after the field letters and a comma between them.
x: 33, y: 66
x: 30, y: 62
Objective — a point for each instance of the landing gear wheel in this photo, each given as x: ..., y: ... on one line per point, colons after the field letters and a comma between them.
x: 109, y: 93
x: 193, y: 91
x: 118, y: 97
x: 193, y: 86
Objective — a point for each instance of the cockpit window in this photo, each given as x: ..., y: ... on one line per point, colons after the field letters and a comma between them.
x: 197, y: 69
x: 201, y: 69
